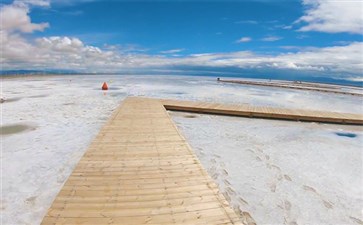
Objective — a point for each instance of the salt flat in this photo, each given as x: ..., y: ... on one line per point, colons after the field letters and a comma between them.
x: 281, y: 172
x: 64, y: 114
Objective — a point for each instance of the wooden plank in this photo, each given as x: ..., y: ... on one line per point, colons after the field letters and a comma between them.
x: 140, y: 170
x: 264, y: 112
x: 303, y: 86
x: 208, y: 216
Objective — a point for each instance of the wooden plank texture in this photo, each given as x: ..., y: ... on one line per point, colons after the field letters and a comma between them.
x: 264, y: 112
x: 140, y: 170
x: 328, y: 88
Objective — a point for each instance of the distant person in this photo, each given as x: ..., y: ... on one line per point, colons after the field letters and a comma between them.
x: 218, y: 79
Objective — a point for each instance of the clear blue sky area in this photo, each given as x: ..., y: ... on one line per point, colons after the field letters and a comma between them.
x: 194, y: 26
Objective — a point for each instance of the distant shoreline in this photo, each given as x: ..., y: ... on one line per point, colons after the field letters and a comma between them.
x: 308, y: 86
x: 316, y: 80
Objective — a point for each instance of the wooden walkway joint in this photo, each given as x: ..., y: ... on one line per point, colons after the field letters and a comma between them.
x: 140, y: 170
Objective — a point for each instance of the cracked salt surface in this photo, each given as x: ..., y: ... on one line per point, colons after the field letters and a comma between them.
x: 281, y: 172
x: 68, y: 111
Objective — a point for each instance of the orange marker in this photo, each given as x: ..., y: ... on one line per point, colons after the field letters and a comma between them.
x: 104, y: 86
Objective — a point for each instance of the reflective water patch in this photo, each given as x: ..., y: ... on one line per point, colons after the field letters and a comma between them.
x: 15, y: 128
x: 343, y: 134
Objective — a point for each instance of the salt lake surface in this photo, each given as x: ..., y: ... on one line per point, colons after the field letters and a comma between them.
x: 50, y: 121
x: 281, y: 172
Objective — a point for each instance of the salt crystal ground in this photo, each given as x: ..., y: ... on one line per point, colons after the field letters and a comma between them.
x: 278, y: 171
x: 281, y: 172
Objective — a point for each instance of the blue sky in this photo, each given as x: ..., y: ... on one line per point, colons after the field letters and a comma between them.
x: 193, y: 26
x: 253, y: 34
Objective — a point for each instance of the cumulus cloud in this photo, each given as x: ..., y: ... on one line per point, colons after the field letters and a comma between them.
x: 244, y: 39
x: 61, y: 52
x: 71, y: 53
x: 14, y: 21
x: 336, y: 59
x: 333, y: 16
x: 60, y: 44
x: 330, y: 59
x: 15, y: 18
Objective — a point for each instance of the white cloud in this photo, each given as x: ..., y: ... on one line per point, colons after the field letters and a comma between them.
x: 358, y: 79
x: 19, y: 52
x: 126, y: 48
x: 333, y: 16
x: 32, y: 2
x: 60, y: 44
x: 346, y: 59
x: 244, y: 39
x: 336, y: 59
x: 72, y: 53
x: 271, y: 38
x: 300, y: 48
x: 15, y: 18
x: 171, y: 51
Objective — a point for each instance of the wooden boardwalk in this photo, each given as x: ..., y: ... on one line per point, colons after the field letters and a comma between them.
x: 264, y: 112
x: 329, y: 88
x: 140, y: 170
